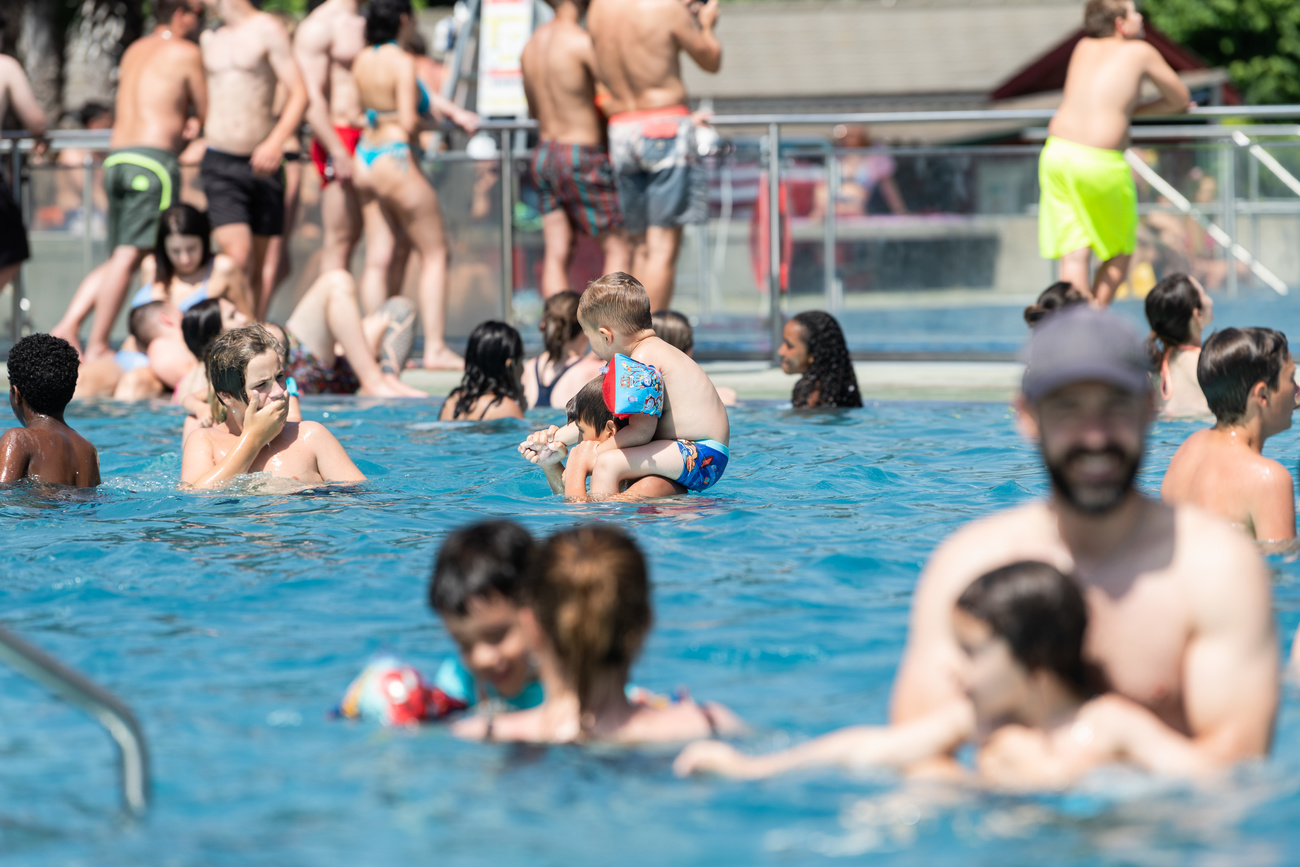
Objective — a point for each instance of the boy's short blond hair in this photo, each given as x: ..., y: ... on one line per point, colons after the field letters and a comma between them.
x: 1099, y: 17
x: 616, y: 301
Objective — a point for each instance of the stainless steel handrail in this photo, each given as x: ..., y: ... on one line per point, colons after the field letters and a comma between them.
x: 105, y: 708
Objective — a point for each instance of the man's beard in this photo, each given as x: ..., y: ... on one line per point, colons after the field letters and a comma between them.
x: 1091, y: 499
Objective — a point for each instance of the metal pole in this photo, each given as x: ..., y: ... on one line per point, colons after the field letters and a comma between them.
x: 1253, y: 180
x: 20, y: 290
x: 775, y: 324
x: 1228, y: 189
x: 507, y: 229
x: 105, y: 708
x: 87, y: 213
x: 834, y: 289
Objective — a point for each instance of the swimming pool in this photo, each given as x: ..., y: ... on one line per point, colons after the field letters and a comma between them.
x: 232, y: 621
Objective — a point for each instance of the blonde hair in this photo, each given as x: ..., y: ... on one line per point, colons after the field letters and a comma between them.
x: 1099, y: 17
x: 227, y: 364
x: 589, y: 592
x: 616, y: 301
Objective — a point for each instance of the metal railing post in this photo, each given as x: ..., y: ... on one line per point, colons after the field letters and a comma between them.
x: 20, y: 288
x: 775, y: 324
x: 87, y: 212
x: 507, y: 228
x: 1228, y: 189
x: 105, y: 708
x: 834, y: 288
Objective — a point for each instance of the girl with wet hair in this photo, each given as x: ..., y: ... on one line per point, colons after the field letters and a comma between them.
x: 586, y: 615
x: 1178, y: 310
x: 554, y: 377
x: 813, y: 344
x: 1058, y: 296
x: 491, y: 387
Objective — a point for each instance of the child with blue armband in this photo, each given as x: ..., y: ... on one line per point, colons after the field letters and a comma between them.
x: 677, y: 426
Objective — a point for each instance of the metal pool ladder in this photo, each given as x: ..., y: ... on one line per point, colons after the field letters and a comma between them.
x: 105, y: 708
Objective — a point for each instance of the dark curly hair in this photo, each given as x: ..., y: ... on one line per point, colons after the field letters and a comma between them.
x: 44, y: 370
x: 829, y: 379
x: 490, y: 346
x: 384, y: 20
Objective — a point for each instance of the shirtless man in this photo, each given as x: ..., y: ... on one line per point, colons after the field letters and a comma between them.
x: 1179, y: 603
x: 324, y: 45
x: 661, y: 185
x: 15, y: 93
x: 570, y: 165
x: 252, y: 433
x: 242, y: 171
x: 1089, y: 201
x: 1248, y: 377
x: 42, y: 379
x: 161, y: 102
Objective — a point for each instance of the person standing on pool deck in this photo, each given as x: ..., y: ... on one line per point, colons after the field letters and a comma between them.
x: 1179, y: 602
x: 242, y: 171
x: 252, y: 434
x: 162, y: 99
x: 15, y: 92
x: 570, y: 166
x: 1089, y: 202
x: 42, y: 380
x: 661, y: 184
x: 1248, y: 377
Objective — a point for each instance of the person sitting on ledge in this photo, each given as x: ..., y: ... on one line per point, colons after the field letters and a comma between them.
x: 1248, y: 377
x: 1178, y: 310
x: 813, y: 344
x: 252, y: 435
x: 42, y: 379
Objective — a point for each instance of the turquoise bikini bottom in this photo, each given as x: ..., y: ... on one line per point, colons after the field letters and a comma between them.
x: 368, y: 153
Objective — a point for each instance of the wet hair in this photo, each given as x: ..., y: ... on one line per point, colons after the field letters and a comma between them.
x: 490, y: 346
x: 179, y: 219
x: 1058, y: 296
x: 1099, y: 17
x: 830, y: 377
x: 590, y: 594
x: 1170, y: 306
x: 201, y: 325
x: 559, y: 324
x: 480, y: 561
x: 588, y: 406
x: 384, y: 20
x: 227, y: 364
x: 1232, y: 361
x: 1041, y: 615
x: 674, y: 329
x: 617, y: 301
x: 142, y: 322
x: 44, y: 370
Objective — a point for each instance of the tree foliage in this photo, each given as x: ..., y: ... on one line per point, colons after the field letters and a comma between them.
x: 1258, y: 41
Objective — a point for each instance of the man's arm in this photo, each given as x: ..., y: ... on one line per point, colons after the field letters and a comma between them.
x: 332, y: 461
x: 311, y: 49
x: 15, y: 455
x: 1174, y: 95
x: 526, y: 67
x: 694, y: 33
x: 268, y: 156
x: 196, y: 83
x: 21, y: 98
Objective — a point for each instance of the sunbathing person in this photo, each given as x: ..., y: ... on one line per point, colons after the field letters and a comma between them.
x: 554, y: 377
x: 1021, y: 631
x: 813, y: 344
x: 42, y: 379
x: 1058, y: 296
x: 586, y: 615
x: 491, y: 387
x: 252, y: 433
x: 1248, y: 377
x: 185, y: 271
x: 1178, y: 310
x: 675, y: 329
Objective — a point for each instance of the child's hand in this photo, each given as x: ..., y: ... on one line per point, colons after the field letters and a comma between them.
x: 710, y: 757
x: 538, y: 440
x: 544, y: 456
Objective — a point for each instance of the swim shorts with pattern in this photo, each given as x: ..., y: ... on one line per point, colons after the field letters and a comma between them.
x: 313, y: 377
x: 579, y: 180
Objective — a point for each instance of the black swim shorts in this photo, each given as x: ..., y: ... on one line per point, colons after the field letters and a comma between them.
x: 13, y: 234
x: 236, y: 195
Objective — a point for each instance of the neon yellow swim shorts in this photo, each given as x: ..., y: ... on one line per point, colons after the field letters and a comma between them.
x: 1088, y: 200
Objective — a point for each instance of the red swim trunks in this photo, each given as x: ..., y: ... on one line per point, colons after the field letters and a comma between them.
x: 578, y: 179
x: 321, y: 157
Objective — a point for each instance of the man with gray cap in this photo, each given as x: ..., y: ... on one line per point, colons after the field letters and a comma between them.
x: 1180, y: 609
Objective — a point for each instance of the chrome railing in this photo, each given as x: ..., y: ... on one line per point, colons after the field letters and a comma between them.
x: 105, y: 708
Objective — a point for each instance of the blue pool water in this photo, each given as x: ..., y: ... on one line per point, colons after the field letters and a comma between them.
x: 232, y: 621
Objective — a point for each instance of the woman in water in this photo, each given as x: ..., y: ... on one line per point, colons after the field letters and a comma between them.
x: 491, y: 387
x: 1058, y: 296
x: 1032, y: 709
x: 185, y: 270
x: 586, y: 614
x: 554, y: 377
x: 813, y: 344
x: 1178, y: 310
x: 396, y: 197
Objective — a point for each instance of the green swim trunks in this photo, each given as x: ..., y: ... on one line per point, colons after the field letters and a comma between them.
x: 1088, y: 200
x: 141, y: 183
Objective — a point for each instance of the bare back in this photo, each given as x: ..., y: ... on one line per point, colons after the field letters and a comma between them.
x: 383, y: 73
x: 692, y: 408
x: 160, y: 80
x: 241, y: 83
x: 50, y: 452
x: 560, y: 80
x: 1102, y: 87
x: 637, y: 45
x: 1212, y: 471
x: 326, y: 43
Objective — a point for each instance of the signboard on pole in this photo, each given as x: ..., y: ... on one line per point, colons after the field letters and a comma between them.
x: 504, y: 29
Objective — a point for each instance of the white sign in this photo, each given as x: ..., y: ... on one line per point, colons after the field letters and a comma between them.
x: 504, y: 29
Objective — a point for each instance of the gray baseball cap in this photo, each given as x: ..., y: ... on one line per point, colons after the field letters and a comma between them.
x: 1082, y: 344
